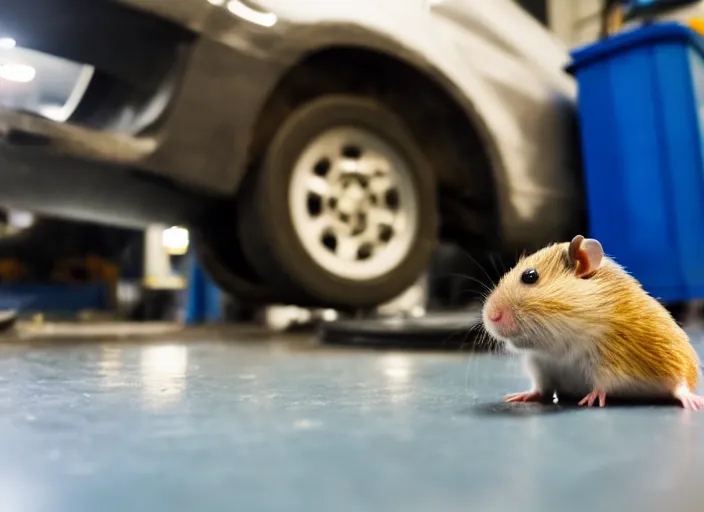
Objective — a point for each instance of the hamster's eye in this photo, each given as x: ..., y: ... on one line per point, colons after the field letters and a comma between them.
x: 530, y: 276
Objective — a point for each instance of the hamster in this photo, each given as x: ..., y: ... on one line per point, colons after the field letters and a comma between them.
x: 589, y: 330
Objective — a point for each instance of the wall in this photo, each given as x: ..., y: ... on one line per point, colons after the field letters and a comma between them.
x: 575, y: 21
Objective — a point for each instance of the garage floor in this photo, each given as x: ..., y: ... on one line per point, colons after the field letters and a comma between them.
x: 243, y: 422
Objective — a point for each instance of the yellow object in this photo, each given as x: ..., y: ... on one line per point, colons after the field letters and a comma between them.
x: 697, y: 24
x: 12, y: 270
x: 614, y: 20
x: 88, y: 269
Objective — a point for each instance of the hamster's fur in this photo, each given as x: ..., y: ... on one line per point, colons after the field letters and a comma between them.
x: 588, y: 329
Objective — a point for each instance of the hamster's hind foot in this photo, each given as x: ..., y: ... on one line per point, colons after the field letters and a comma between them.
x: 689, y: 400
x: 526, y: 396
x: 592, y: 397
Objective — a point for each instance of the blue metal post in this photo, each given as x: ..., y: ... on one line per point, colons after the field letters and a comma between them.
x: 203, y: 297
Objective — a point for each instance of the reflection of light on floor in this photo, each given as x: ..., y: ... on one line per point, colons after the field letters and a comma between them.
x: 110, y: 366
x: 163, y: 372
x: 304, y: 424
x: 19, y: 494
x: 397, y: 370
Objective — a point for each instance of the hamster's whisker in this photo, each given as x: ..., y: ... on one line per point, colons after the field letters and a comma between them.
x: 476, y: 322
x: 486, y: 340
x: 493, y: 265
x: 495, y: 346
x: 482, y: 295
x: 481, y: 268
x: 499, y: 272
x: 472, y: 326
x: 483, y: 339
x: 474, y: 280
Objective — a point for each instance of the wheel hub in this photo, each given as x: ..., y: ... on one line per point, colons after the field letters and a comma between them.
x: 353, y: 199
x: 352, y: 203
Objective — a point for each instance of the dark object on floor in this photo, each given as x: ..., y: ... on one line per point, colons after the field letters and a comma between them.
x: 7, y: 320
x: 156, y: 305
x: 445, y: 331
x: 55, y: 298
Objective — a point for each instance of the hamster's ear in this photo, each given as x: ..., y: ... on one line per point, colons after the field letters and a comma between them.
x: 585, y: 255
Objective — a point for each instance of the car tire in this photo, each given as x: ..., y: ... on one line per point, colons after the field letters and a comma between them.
x: 224, y: 262
x: 310, y: 150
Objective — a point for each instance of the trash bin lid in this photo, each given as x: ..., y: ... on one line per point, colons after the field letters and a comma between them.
x: 645, y: 35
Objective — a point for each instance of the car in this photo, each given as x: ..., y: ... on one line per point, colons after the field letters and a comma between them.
x: 318, y: 151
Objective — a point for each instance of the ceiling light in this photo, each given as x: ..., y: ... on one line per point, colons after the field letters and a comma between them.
x: 175, y: 240
x: 7, y: 43
x: 265, y: 19
x: 17, y: 72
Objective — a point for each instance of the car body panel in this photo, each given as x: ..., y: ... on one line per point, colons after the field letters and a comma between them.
x: 510, y: 83
x: 500, y: 66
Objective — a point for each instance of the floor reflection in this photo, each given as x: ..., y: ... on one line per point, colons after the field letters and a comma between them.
x: 163, y: 374
x: 397, y: 371
x: 110, y: 367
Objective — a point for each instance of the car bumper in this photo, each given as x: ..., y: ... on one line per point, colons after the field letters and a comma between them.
x: 58, y: 169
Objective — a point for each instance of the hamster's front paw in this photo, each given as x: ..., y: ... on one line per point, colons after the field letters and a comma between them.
x: 526, y: 396
x: 592, y: 397
x: 689, y: 400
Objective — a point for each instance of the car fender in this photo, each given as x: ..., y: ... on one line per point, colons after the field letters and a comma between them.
x: 514, y: 91
x: 509, y: 82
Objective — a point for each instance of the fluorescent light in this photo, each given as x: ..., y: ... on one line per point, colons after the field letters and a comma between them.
x: 17, y: 72
x: 7, y: 43
x: 216, y: 2
x: 329, y: 315
x: 265, y: 19
x: 20, y: 219
x: 175, y: 240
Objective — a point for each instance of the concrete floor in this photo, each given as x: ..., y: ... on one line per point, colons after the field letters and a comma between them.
x: 233, y: 424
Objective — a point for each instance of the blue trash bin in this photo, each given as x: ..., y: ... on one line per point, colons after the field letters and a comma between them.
x: 641, y: 110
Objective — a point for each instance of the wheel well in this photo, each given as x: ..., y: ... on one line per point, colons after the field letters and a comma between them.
x: 443, y: 131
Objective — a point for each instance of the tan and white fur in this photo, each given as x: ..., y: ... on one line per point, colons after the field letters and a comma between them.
x: 589, y: 330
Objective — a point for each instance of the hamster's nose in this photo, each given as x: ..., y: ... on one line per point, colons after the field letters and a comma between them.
x: 495, y: 315
x: 501, y: 317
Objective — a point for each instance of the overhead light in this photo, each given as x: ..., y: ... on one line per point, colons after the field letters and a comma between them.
x: 7, y: 43
x: 265, y: 19
x: 20, y: 219
x: 329, y: 315
x: 216, y: 2
x: 17, y: 72
x: 175, y: 240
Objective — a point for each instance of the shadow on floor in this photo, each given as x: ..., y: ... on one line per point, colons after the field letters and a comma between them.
x: 519, y: 410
